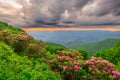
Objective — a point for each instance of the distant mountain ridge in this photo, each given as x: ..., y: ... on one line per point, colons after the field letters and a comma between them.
x: 94, y: 46
x: 67, y: 37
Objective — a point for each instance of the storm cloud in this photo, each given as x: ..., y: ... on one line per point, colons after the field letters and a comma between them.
x: 60, y: 13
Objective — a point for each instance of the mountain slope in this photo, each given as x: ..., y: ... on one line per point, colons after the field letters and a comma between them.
x: 11, y: 29
x: 93, y: 47
x: 22, y: 57
x: 112, y: 54
x: 53, y: 47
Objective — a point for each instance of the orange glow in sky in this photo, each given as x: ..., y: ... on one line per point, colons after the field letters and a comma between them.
x: 72, y: 29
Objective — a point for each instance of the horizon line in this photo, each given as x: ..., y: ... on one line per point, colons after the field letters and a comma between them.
x: 71, y: 29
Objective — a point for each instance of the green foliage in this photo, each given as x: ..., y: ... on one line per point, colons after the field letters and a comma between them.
x: 14, y: 37
x: 14, y: 67
x: 117, y: 67
x: 36, y: 49
x: 20, y: 67
x: 11, y: 29
x: 3, y: 35
x: 52, y: 47
x: 84, y: 54
x: 112, y: 54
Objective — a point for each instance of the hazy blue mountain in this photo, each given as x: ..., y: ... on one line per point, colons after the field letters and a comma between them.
x: 68, y: 37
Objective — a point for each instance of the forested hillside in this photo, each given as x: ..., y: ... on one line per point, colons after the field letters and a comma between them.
x: 24, y: 58
x: 112, y: 54
x: 94, y: 47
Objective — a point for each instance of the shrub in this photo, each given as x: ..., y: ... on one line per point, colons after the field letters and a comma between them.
x: 19, y: 41
x: 68, y: 64
x: 53, y: 47
x: 98, y: 68
x: 84, y: 54
x: 112, y: 55
x: 3, y: 35
x: 72, y: 66
x: 36, y: 49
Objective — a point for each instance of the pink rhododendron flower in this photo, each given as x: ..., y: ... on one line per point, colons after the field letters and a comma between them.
x: 105, y: 69
x: 86, y: 62
x: 69, y: 53
x: 113, y: 72
x: 65, y: 67
x: 111, y: 64
x: 105, y: 61
x: 71, y: 59
x: 93, y: 59
x: 114, y: 76
x: 118, y: 73
x: 76, y: 68
x: 66, y: 59
x: 75, y: 62
x: 77, y: 56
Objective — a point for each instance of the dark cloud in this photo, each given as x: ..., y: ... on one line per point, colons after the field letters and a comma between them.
x: 62, y: 13
x: 108, y: 7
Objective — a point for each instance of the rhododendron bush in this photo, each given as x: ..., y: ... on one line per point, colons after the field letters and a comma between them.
x: 72, y: 66
x: 99, y: 68
x: 19, y: 41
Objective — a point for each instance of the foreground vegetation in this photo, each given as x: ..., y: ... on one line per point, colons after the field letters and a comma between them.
x: 24, y: 58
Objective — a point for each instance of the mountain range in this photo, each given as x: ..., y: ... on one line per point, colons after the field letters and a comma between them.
x: 67, y: 37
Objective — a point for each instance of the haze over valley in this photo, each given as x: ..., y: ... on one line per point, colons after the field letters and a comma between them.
x: 67, y: 37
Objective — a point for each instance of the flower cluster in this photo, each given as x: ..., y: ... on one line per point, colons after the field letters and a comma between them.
x: 71, y: 60
x: 115, y: 74
x: 97, y: 66
x: 73, y: 65
x: 19, y: 41
x: 69, y: 63
x: 20, y: 37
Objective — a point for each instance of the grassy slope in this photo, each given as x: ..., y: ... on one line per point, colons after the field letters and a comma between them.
x: 10, y: 28
x: 19, y: 67
x: 94, y: 47
x: 15, y: 67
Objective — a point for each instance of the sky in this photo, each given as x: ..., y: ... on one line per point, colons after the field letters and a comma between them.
x: 61, y: 13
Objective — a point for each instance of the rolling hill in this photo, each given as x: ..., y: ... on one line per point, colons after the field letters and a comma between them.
x: 112, y: 54
x: 94, y: 46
